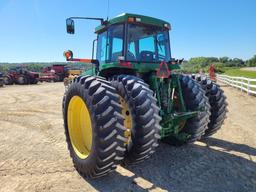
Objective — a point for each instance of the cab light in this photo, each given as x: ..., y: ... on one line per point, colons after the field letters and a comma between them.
x: 131, y: 19
x: 167, y: 25
x: 138, y: 19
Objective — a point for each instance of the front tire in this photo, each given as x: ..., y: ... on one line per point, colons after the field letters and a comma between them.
x: 8, y: 80
x: 22, y: 80
x: 93, y: 126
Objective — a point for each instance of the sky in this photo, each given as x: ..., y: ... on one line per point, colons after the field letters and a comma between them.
x: 35, y: 31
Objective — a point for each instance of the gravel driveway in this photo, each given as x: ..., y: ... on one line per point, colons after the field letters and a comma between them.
x: 34, y: 156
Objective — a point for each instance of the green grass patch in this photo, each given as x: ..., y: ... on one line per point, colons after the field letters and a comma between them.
x: 241, y: 73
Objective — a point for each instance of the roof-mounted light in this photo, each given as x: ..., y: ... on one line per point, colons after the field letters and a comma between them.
x: 131, y: 19
x: 168, y: 26
x: 138, y: 19
x: 134, y: 19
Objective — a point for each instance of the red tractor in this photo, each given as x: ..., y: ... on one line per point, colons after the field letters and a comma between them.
x: 21, y: 76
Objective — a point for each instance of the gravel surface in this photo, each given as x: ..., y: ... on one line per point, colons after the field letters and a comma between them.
x: 34, y: 156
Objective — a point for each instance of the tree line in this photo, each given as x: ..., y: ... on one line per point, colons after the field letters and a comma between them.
x: 221, y: 64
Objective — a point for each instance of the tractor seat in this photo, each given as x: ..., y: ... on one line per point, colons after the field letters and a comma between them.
x: 115, y: 56
x: 130, y: 56
x: 147, y: 56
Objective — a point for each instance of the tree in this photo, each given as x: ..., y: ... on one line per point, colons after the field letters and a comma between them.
x: 251, y: 62
x: 224, y: 59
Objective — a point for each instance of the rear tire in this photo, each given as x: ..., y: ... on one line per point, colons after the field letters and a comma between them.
x: 56, y: 78
x: 22, y: 80
x: 145, y: 130
x: 107, y: 146
x: 194, y: 98
x: 34, y: 81
x: 218, y: 104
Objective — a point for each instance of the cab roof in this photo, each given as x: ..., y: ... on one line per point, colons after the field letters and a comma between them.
x: 139, y: 19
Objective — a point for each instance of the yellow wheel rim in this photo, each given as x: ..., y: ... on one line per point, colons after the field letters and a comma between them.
x: 127, y: 119
x: 79, y: 127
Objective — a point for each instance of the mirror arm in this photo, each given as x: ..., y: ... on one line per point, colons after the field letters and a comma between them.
x: 89, y: 18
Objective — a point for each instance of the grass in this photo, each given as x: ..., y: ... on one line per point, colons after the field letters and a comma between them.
x: 241, y: 73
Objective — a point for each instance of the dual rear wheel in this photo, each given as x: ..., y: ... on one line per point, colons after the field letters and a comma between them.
x: 109, y: 122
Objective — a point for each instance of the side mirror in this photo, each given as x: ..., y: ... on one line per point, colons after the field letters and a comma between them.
x: 70, y: 24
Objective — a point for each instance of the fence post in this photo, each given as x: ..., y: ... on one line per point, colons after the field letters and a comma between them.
x: 248, y: 87
x: 233, y: 82
x: 238, y: 83
x: 242, y: 85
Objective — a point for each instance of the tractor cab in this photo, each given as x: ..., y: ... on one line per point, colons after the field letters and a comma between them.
x: 131, y: 39
x: 129, y: 42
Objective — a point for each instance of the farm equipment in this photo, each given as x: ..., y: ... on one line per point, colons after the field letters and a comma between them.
x: 1, y: 80
x: 21, y: 76
x: 55, y: 73
x: 72, y: 73
x: 133, y: 96
x: 48, y: 77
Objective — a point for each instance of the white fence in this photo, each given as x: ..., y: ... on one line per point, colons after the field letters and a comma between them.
x: 242, y: 83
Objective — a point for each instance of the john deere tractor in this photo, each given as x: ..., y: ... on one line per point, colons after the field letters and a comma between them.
x: 133, y: 96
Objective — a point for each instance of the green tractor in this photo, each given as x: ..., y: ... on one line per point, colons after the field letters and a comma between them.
x: 133, y: 96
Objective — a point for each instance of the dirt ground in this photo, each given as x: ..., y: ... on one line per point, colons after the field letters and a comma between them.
x: 249, y: 69
x: 34, y: 156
